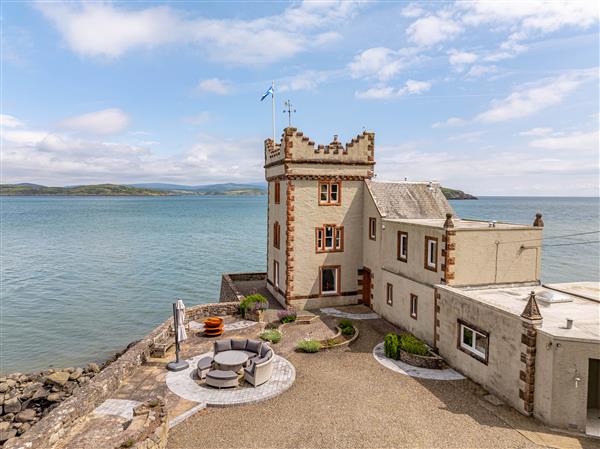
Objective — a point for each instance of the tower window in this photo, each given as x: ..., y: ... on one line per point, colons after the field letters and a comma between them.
x: 277, y: 192
x: 329, y: 238
x: 330, y: 280
x: 330, y: 193
x: 276, y: 234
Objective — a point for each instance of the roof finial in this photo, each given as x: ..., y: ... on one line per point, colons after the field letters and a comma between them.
x: 538, y: 222
x: 532, y: 311
x: 448, y: 223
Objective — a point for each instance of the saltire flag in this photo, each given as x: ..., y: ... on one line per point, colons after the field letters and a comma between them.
x: 267, y: 93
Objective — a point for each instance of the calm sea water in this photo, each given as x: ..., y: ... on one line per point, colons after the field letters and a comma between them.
x: 82, y: 277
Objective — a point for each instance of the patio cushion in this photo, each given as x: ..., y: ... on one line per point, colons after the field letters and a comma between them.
x: 205, y: 363
x: 254, y: 346
x: 259, y: 360
x: 238, y: 344
x: 264, y: 350
x: 218, y: 374
x: 222, y: 345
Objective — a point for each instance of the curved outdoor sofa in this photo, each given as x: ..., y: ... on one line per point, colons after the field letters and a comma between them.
x: 259, y: 368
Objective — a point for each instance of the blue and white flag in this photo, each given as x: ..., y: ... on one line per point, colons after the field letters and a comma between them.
x: 267, y: 93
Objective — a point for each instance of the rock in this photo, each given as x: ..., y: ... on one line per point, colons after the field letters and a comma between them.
x: 12, y: 405
x: 54, y: 397
x: 76, y: 374
x: 4, y: 426
x: 58, y: 378
x: 93, y: 368
x: 70, y: 386
x: 4, y: 387
x: 30, y: 389
x: 7, y: 435
x: 8, y: 417
x: 11, y: 384
x: 26, y: 415
x: 24, y: 378
x: 40, y: 393
x: 69, y: 370
x: 24, y: 428
x: 82, y: 380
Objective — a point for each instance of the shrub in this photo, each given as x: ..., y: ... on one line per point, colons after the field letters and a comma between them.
x: 345, y: 322
x: 250, y: 302
x: 273, y: 325
x: 286, y: 316
x: 390, y: 345
x: 271, y: 335
x: 309, y: 346
x: 413, y: 345
x: 348, y: 330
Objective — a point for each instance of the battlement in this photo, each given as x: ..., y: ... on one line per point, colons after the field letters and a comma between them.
x: 296, y: 147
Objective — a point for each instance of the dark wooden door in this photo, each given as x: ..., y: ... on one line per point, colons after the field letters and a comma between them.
x: 366, y: 287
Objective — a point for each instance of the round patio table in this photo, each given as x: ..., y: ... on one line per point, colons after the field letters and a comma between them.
x: 231, y: 360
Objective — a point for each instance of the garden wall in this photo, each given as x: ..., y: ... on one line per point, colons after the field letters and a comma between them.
x: 230, y: 292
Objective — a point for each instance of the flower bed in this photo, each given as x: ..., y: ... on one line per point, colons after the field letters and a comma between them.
x: 411, y: 350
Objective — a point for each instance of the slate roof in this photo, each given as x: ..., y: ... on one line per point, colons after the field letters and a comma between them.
x: 398, y: 200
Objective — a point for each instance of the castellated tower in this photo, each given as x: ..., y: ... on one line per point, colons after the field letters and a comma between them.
x: 315, y: 218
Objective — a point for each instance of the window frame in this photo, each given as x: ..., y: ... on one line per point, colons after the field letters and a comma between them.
x: 414, y: 306
x: 276, y: 235
x: 276, y: 273
x: 402, y: 235
x: 429, y: 267
x: 277, y: 192
x: 472, y: 349
x: 321, y: 239
x: 337, y: 278
x: 329, y: 201
x: 372, y: 228
x: 389, y: 294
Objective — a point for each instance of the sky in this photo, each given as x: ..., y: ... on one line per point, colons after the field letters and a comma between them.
x: 491, y: 97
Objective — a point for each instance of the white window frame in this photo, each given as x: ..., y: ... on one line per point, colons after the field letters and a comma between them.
x: 403, y: 256
x: 373, y: 228
x: 473, y: 347
x: 276, y: 273
x: 336, y: 281
x: 432, y: 253
x: 389, y: 292
x: 414, y: 306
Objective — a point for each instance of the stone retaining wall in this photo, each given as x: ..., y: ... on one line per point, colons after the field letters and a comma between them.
x: 431, y: 362
x: 49, y: 430
x: 229, y: 291
x: 149, y: 428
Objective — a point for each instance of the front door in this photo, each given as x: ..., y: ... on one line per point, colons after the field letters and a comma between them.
x: 366, y: 287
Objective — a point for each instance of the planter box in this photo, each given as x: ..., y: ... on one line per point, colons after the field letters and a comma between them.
x: 431, y: 362
x: 254, y: 315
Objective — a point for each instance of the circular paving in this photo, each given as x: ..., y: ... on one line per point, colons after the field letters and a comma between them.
x: 413, y: 371
x: 185, y: 384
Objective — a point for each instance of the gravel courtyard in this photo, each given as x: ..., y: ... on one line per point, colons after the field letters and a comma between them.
x: 344, y: 398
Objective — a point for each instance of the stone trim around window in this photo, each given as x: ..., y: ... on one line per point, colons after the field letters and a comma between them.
x: 329, y: 201
x: 399, y: 255
x: 426, y: 253
x: 338, y: 280
x: 460, y: 324
x: 321, y: 240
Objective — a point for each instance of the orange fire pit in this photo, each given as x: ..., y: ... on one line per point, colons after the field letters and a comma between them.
x: 213, y: 326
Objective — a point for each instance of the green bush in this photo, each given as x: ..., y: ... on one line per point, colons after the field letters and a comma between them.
x: 390, y: 346
x: 308, y: 346
x: 271, y: 335
x: 413, y: 345
x: 249, y: 301
x: 348, y: 330
x: 345, y: 322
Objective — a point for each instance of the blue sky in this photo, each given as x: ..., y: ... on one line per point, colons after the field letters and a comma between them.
x: 496, y: 98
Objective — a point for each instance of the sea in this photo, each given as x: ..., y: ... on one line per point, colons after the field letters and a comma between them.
x: 81, y: 277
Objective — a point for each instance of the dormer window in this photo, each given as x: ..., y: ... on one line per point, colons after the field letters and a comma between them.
x: 330, y: 193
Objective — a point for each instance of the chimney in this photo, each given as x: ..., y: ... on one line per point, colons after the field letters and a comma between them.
x: 531, y: 314
x: 448, y: 223
x: 538, y: 222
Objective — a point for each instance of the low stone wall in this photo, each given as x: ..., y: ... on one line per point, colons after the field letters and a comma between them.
x: 430, y: 362
x: 149, y: 428
x: 50, y: 429
x: 229, y: 291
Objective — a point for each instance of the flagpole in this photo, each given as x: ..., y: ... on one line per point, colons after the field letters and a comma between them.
x: 273, y: 109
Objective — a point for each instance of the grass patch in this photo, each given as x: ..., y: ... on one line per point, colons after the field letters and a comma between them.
x: 273, y: 336
x: 286, y: 316
x: 310, y: 346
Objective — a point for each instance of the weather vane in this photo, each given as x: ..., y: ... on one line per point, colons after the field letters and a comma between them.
x: 289, y: 109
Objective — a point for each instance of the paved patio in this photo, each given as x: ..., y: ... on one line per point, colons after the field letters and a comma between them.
x: 345, y: 398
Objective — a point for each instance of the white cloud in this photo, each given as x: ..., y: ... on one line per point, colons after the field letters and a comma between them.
x: 308, y: 80
x: 23, y: 137
x: 479, y: 70
x: 107, y: 121
x: 452, y: 121
x: 382, y: 63
x: 432, y: 30
x: 411, y: 87
x: 8, y: 121
x: 529, y: 99
x: 536, y: 132
x: 412, y: 10
x: 461, y: 58
x: 214, y: 86
x: 573, y: 142
x: 107, y: 30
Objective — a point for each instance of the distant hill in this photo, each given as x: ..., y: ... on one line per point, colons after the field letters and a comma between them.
x: 27, y: 189
x: 162, y: 189
x: 452, y: 194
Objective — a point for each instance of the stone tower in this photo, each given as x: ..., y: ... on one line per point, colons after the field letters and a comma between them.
x: 315, y: 218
